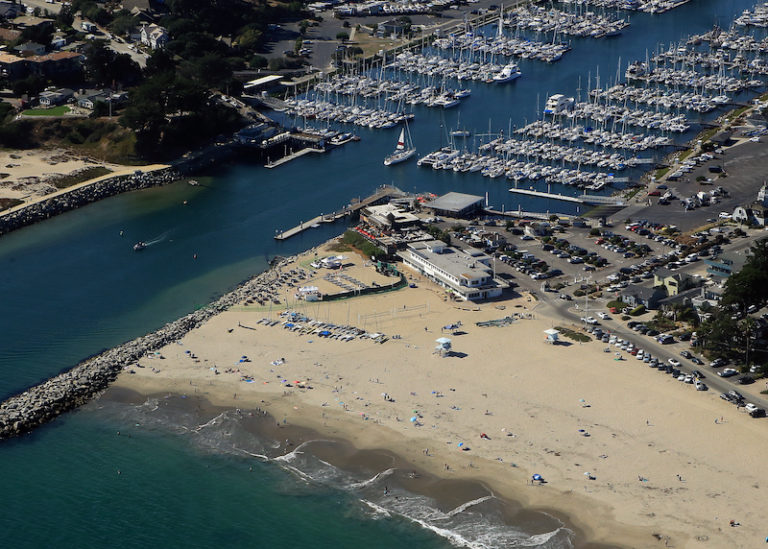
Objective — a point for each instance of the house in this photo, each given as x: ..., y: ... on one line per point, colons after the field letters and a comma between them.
x: 89, y: 99
x: 154, y: 36
x: 51, y: 98
x: 9, y: 35
x: 456, y: 205
x: 467, y: 277
x: 635, y: 295
x: 685, y: 297
x: 61, y: 65
x: 9, y: 10
x: 29, y: 49
x: 725, y: 265
x: 13, y: 67
x: 755, y: 213
x: 673, y: 282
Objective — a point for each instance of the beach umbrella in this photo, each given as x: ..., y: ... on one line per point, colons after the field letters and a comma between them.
x: 537, y: 477
x: 413, y: 419
x: 461, y: 444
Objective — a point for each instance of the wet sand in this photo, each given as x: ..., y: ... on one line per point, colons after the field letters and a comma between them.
x: 536, y: 403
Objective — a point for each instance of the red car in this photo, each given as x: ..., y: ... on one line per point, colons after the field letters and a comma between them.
x: 654, y: 193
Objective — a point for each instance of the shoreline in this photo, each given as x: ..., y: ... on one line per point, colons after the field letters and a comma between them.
x: 448, y: 493
x: 564, y: 411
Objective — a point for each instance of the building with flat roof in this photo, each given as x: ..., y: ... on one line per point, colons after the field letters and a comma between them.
x: 388, y: 216
x: 456, y: 205
x: 468, y: 277
x: 725, y: 265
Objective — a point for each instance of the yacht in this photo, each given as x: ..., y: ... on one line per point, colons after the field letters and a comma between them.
x: 507, y: 74
x: 403, y: 150
x: 139, y: 246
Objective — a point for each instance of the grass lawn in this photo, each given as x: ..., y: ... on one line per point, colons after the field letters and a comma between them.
x: 61, y: 110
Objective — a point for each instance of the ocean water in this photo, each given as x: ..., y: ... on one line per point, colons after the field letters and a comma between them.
x: 156, y: 475
x: 72, y: 286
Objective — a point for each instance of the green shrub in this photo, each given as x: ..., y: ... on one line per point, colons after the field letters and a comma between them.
x: 640, y: 309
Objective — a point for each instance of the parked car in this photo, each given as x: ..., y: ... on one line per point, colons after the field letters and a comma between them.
x: 603, y: 315
x: 718, y: 362
x: 727, y: 372
x: 685, y: 354
x: 674, y: 362
x: 696, y: 360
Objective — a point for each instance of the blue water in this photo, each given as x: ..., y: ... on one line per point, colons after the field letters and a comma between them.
x: 72, y: 286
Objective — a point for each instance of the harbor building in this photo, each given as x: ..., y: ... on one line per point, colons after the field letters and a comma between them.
x: 468, y: 276
x: 456, y: 205
x: 388, y: 217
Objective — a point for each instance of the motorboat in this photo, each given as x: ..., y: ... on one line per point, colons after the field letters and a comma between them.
x: 139, y: 246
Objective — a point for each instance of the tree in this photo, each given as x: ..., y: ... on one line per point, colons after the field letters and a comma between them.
x: 343, y: 36
x: 123, y: 24
x: 258, y: 62
x: 65, y: 18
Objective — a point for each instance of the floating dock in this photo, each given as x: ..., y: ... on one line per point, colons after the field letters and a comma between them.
x: 292, y: 156
x: 382, y: 194
x: 580, y: 199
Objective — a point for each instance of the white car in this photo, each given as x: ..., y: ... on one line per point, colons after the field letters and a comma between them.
x: 589, y: 320
x: 603, y: 316
x: 749, y: 407
x: 725, y: 215
x: 674, y: 362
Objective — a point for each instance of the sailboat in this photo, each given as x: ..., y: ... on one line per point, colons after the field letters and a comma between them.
x: 404, y: 149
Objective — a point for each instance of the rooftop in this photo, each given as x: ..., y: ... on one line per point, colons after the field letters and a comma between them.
x: 455, y: 202
x: 450, y: 260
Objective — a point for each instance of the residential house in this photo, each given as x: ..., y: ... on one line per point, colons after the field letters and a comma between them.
x: 673, y: 282
x: 89, y: 99
x: 755, y: 213
x: 59, y: 66
x: 9, y: 10
x: 635, y: 295
x: 9, y: 35
x: 154, y: 36
x: 29, y: 49
x: 51, y: 98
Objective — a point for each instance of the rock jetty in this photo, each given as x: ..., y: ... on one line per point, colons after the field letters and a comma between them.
x: 80, y: 196
x: 42, y: 403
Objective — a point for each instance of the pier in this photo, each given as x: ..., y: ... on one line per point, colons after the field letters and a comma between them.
x: 581, y: 199
x: 292, y: 156
x: 384, y: 193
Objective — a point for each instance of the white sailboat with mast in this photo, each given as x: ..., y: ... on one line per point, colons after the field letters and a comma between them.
x: 404, y: 148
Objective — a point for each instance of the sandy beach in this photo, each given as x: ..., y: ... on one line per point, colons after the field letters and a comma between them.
x: 27, y: 175
x: 631, y: 458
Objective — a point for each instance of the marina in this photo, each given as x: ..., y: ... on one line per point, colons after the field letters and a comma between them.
x: 214, y: 235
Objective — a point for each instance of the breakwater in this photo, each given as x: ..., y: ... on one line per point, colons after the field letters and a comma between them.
x: 44, y: 402
x: 82, y: 195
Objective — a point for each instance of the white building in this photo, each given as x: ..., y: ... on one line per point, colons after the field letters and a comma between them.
x: 154, y: 36
x: 468, y: 276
